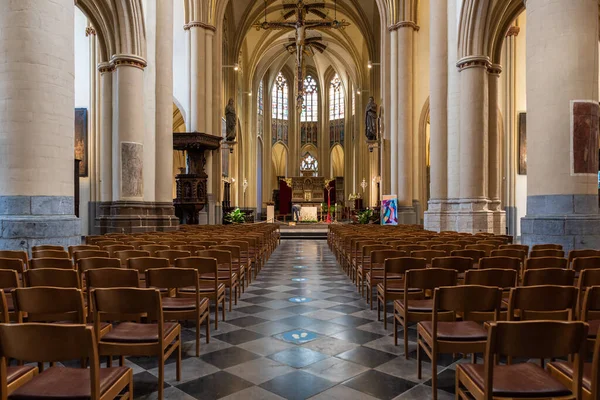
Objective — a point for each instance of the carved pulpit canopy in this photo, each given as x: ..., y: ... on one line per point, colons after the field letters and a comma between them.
x: 195, y: 141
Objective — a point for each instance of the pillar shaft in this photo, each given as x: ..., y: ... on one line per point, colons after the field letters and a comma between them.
x: 453, y: 104
x: 394, y: 111
x: 405, y: 116
x: 106, y: 127
x: 164, y: 102
x: 495, y: 172
x: 36, y: 124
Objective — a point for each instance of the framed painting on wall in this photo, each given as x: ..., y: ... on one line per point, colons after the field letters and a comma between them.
x: 81, y: 140
x: 522, y: 130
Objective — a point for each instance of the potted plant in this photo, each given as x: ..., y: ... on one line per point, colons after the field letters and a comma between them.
x: 234, y: 217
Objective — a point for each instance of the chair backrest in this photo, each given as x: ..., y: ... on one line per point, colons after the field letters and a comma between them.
x: 47, y: 247
x: 234, y: 250
x: 467, y: 300
x: 573, y: 254
x: 490, y: 242
x: 588, y: 277
x: 193, y: 249
x: 548, y: 246
x: 9, y: 279
x: 399, y: 265
x: 549, y: 276
x: 114, y: 248
x: 49, y: 304
x: 154, y: 248
x: 546, y: 253
x: 429, y: 255
x: 409, y: 248
x: 460, y: 264
x: 430, y: 243
x: 81, y: 254
x: 543, y: 302
x: 486, y: 248
x: 546, y: 262
x: 521, y: 247
x: 111, y: 304
x: 81, y: 247
x: 125, y: 255
x: 60, y: 263
x: 476, y: 255
x: 98, y: 263
x: 139, y: 243
x: 112, y: 278
x: 106, y: 243
x: 173, y: 255
x: 379, y: 256
x: 63, y: 278
x: 51, y: 254
x: 142, y: 264
x: 500, y: 262
x: 172, y: 243
x: 591, y: 303
x: 223, y: 257
x: 535, y: 339
x: 14, y: 264
x: 502, y: 278
x: 448, y: 248
x: 239, y: 243
x: 205, y: 243
x: 207, y: 267
x: 520, y: 254
x: 430, y: 278
x: 172, y: 278
x: 16, y: 255
x: 581, y: 263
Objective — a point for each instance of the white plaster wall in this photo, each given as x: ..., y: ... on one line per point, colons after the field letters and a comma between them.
x: 180, y: 61
x: 82, y: 100
x: 521, y: 106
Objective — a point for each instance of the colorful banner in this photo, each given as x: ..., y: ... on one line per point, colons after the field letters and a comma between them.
x: 389, y: 210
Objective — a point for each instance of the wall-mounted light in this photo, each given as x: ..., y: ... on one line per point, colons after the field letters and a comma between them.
x: 358, y: 92
x: 370, y: 64
x: 236, y: 67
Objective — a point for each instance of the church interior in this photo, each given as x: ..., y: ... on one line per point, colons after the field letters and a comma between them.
x: 299, y: 199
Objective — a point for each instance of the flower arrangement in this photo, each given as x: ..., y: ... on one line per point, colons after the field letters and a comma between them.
x: 354, y: 196
x: 234, y: 217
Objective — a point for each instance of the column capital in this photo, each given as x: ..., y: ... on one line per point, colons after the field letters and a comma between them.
x: 474, y: 62
x: 198, y: 24
x: 513, y: 31
x: 105, y: 67
x: 404, y: 24
x: 130, y: 60
x: 495, y: 69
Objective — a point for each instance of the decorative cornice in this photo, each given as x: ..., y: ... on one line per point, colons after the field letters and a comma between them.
x: 404, y: 24
x: 474, y: 62
x: 90, y: 30
x: 513, y: 31
x: 105, y: 67
x: 495, y: 69
x: 197, y: 24
x: 130, y: 60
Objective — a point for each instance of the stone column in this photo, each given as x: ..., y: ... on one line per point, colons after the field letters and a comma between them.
x: 393, y: 128
x: 474, y: 215
x: 404, y: 106
x: 494, y: 164
x: 36, y: 124
x: 562, y: 108
x: 438, y: 103
x: 106, y: 128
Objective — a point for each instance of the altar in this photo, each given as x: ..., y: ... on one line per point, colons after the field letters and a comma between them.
x: 310, y: 193
x: 309, y: 214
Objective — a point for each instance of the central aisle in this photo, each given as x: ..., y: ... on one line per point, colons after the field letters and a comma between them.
x: 301, y: 330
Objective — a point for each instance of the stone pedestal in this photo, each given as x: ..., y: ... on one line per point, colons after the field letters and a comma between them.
x: 406, y: 215
x: 436, y: 217
x: 136, y: 216
x: 474, y: 216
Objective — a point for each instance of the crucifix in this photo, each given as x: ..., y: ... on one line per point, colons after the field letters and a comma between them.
x: 303, y: 44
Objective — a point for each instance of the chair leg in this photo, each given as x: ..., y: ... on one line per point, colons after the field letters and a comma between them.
x: 198, y: 335
x: 395, y: 331
x: 216, y: 313
x: 178, y: 366
x: 208, y: 327
x: 434, y: 374
x: 419, y: 375
x: 384, y: 305
x: 405, y: 327
x: 121, y: 361
x: 223, y: 309
x: 161, y: 376
x: 231, y: 294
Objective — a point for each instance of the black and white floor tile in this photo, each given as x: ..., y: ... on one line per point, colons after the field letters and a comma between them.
x: 300, y: 331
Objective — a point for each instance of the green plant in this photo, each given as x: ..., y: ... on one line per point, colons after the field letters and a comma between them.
x: 234, y: 217
x: 364, y: 217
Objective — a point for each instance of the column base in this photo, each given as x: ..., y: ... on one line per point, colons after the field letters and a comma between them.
x: 407, y: 215
x: 136, y: 216
x: 27, y: 221
x: 470, y: 215
x: 436, y: 216
x: 511, y: 220
x: 570, y: 220
x: 499, y: 221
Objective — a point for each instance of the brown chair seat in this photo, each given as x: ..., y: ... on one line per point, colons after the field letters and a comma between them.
x: 181, y: 303
x: 131, y: 332
x: 594, y: 325
x: 457, y: 331
x: 396, y: 286
x: 204, y: 287
x: 416, y: 305
x: 14, y: 373
x: 67, y: 383
x: 223, y: 275
x: 523, y: 380
x: 567, y: 369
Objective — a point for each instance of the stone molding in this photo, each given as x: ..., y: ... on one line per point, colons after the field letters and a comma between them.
x: 36, y: 205
x: 105, y: 67
x: 198, y: 24
x: 474, y: 62
x: 404, y: 24
x: 136, y: 216
x: 495, y: 69
x: 90, y: 31
x: 129, y: 60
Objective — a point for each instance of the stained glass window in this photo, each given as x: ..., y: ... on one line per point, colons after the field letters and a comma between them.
x: 310, y: 112
x: 279, y: 110
x: 336, y: 111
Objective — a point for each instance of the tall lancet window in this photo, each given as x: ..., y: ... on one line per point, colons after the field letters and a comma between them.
x: 279, y: 110
x: 336, y: 111
x: 260, y: 104
x: 309, y: 118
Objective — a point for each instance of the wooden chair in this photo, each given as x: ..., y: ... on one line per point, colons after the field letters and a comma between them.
x: 545, y: 302
x: 495, y: 243
x: 444, y: 333
x: 154, y: 338
x: 487, y: 248
x: 38, y: 342
x: 590, y: 310
x: 209, y: 284
x: 103, y: 244
x: 573, y: 254
x: 408, y: 310
x: 81, y: 247
x: 529, y: 339
x: 173, y: 243
x: 139, y: 243
x: 9, y: 280
x: 500, y: 262
x: 516, y: 253
x: 49, y: 304
x: 448, y: 248
x: 173, y: 255
x: 546, y: 253
x: 431, y: 243
x: 226, y: 273
x: 582, y: 263
x: 237, y: 265
x: 51, y: 254
x: 46, y: 247
x: 53, y: 277
x: 125, y: 255
x: 81, y: 254
x: 154, y: 248
x: 360, y: 257
x: 244, y: 258
x: 475, y: 255
x: 143, y: 264
x: 392, y: 287
x: 182, y: 308
x: 16, y: 255
x: 114, y: 248
x: 547, y: 246
x: 193, y: 249
x: 549, y: 276
x: 60, y: 263
x: 428, y: 255
x: 545, y: 262
x: 375, y: 272
x: 504, y: 279
x: 521, y: 247
x: 409, y: 248
x: 565, y: 372
x: 459, y: 264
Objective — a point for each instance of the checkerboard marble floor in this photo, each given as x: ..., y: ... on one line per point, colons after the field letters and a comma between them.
x: 301, y: 331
